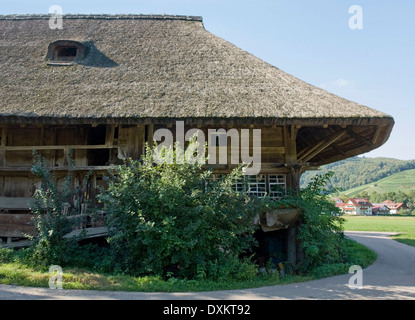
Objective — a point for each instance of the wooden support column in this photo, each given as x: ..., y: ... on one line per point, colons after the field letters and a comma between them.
x: 109, y: 135
x: 290, y: 143
x: 150, y: 135
x: 66, y: 157
x: 296, y: 172
x: 291, y: 162
x: 2, y: 146
x: 54, y: 140
x: 141, y: 140
x: 109, y: 139
x: 292, y: 245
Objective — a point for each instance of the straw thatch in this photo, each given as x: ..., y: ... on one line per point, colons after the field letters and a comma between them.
x: 140, y: 68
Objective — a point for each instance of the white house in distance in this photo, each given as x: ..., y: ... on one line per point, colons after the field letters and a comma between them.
x: 395, y: 208
x: 357, y: 206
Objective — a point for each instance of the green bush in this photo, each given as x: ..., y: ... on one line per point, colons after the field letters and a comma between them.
x: 52, y: 224
x: 6, y: 255
x: 170, y: 219
x: 170, y: 214
x: 321, y: 229
x: 228, y: 268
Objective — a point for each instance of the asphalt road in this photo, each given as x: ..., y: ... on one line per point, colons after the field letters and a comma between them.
x: 392, y: 276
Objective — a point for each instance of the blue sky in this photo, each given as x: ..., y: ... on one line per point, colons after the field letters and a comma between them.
x: 311, y: 40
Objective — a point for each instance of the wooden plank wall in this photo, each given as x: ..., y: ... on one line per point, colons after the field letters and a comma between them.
x: 97, y: 146
x: 272, y: 144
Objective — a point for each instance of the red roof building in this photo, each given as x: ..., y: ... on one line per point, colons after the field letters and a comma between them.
x: 357, y: 206
x: 396, y: 208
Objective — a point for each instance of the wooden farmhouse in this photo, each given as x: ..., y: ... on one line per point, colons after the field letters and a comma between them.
x: 104, y: 84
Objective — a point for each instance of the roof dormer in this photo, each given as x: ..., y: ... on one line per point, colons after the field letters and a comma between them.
x: 65, y: 52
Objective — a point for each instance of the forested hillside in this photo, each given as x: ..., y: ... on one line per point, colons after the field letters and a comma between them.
x: 357, y: 171
x: 377, y: 179
x: 403, y: 181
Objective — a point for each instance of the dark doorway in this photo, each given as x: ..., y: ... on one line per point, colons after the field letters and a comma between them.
x: 272, y: 248
x: 96, y: 136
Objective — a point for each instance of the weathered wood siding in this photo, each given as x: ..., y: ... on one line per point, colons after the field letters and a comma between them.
x: 95, y: 147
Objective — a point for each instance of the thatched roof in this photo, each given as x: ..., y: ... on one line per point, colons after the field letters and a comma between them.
x: 137, y: 69
x: 142, y: 67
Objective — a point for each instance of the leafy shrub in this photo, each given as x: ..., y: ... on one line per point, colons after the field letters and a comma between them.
x: 52, y: 224
x: 321, y: 229
x: 170, y: 214
x: 228, y: 268
x: 6, y: 255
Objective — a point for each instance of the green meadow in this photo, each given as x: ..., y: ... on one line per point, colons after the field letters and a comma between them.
x: 403, y: 225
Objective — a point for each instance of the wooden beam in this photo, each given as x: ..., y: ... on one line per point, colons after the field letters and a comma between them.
x: 16, y: 225
x: 375, y: 138
x: 76, y: 168
x: 357, y: 136
x: 304, y: 153
x: 57, y: 147
x: 338, y: 149
x: 278, y: 150
x: 290, y: 137
x: 323, y: 145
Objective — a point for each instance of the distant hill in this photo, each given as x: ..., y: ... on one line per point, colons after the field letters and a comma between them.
x: 402, y: 181
x: 359, y: 171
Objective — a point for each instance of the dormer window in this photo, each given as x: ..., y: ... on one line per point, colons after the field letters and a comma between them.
x: 65, y: 52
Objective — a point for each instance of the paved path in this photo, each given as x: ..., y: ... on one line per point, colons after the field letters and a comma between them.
x: 392, y: 276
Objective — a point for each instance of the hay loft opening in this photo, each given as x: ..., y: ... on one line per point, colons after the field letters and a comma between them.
x: 65, y: 52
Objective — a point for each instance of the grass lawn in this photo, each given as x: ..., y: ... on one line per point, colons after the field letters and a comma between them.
x: 14, y: 272
x: 404, y: 225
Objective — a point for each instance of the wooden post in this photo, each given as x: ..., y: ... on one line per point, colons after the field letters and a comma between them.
x: 54, y: 140
x: 295, y: 176
x: 292, y: 245
x: 141, y: 140
x: 109, y: 139
x: 3, y: 144
x: 65, y: 157
x: 291, y: 161
x: 109, y: 135
x: 150, y: 135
